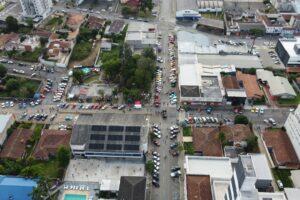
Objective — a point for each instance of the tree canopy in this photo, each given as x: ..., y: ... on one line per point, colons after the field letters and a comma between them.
x: 11, y: 24
x: 63, y: 156
x: 241, y: 119
x: 3, y: 71
x: 12, y: 84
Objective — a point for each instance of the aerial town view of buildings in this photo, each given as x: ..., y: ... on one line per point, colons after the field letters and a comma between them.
x: 150, y: 100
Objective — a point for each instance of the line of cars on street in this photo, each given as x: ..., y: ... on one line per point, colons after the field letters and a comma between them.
x: 172, y: 60
x: 58, y: 94
x: 258, y: 110
x: 155, y: 155
x: 173, y: 98
x: 158, y: 86
x: 202, y: 120
x: 270, y: 121
x: 155, y: 173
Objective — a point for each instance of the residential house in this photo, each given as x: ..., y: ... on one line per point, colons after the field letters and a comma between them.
x: 49, y: 143
x: 131, y: 3
x: 95, y: 22
x: 15, y: 146
x: 9, y: 42
x: 30, y: 43
x: 116, y: 27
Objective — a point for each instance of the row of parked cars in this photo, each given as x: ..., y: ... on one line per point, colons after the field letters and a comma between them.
x: 58, y: 94
x: 158, y: 86
x: 173, y: 98
x: 203, y: 120
x: 172, y: 60
x: 155, y: 155
x: 274, y: 57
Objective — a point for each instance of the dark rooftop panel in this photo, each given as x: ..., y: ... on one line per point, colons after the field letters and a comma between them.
x: 132, y: 138
x: 131, y: 147
x: 97, y: 137
x: 114, y: 147
x: 115, y: 137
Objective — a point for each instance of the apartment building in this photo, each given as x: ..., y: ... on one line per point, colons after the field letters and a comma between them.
x: 33, y: 8
x: 292, y: 126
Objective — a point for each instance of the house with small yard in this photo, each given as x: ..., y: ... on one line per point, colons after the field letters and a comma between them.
x: 280, y: 148
x: 30, y: 43
x: 9, y: 42
x: 49, y: 143
x: 131, y: 3
x: 95, y: 22
x: 15, y: 146
x: 235, y: 93
x: 5, y: 122
x: 206, y: 141
x: 236, y: 134
x: 58, y: 53
x: 116, y: 27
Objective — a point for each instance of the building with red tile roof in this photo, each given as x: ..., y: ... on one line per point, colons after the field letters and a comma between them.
x: 251, y: 86
x: 15, y: 146
x: 198, y: 187
x: 49, y: 143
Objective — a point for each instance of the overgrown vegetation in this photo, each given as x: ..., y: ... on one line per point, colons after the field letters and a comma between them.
x: 187, y: 131
x: 241, y: 119
x: 84, y: 43
x: 289, y: 102
x: 133, y: 73
x: 252, y: 144
x: 27, y: 56
x: 149, y: 166
x: 188, y: 148
x: 18, y: 87
x: 284, y: 176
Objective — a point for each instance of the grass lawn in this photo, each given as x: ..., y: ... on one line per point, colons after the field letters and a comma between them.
x: 187, y: 131
x: 218, y: 16
x: 48, y: 169
x: 289, y: 102
x: 28, y: 56
x: 189, y: 148
x: 25, y: 89
x: 25, y: 125
x: 284, y: 176
x: 92, y: 79
x: 81, y: 50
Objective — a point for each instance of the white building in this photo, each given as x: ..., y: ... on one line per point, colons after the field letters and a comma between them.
x: 5, y: 122
x: 32, y: 8
x: 288, y: 50
x: 292, y: 126
x: 221, y: 179
x: 279, y: 87
x: 141, y: 35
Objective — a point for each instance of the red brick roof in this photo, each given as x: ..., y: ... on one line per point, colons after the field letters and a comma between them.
x: 198, y: 187
x: 49, y: 143
x: 5, y: 38
x: 15, y: 145
x: 95, y: 22
x: 282, y: 148
x: 230, y: 82
x: 250, y: 85
x: 133, y: 3
x: 206, y: 140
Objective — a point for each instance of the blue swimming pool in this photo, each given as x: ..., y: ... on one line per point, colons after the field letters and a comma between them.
x: 75, y: 197
x: 86, y: 70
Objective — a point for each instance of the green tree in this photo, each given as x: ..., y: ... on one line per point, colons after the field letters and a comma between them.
x: 149, y: 53
x: 149, y: 166
x: 3, y: 71
x: 63, y: 156
x: 241, y: 119
x: 126, y: 10
x: 256, y: 32
x: 252, y: 143
x: 11, y: 24
x: 222, y: 138
x: 12, y: 84
x: 29, y: 22
x: 42, y: 189
x: 78, y: 76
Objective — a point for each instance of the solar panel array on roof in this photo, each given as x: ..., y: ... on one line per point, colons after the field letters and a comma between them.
x: 113, y: 146
x: 115, y: 137
x: 98, y: 128
x: 133, y: 129
x: 131, y: 147
x: 132, y: 138
x: 97, y: 137
x: 96, y: 146
x: 116, y: 128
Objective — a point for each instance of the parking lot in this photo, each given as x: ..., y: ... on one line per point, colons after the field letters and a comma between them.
x: 269, y: 59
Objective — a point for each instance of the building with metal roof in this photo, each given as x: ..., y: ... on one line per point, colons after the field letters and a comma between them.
x: 110, y: 135
x: 132, y: 188
x: 187, y: 15
x: 279, y: 87
x: 16, y: 188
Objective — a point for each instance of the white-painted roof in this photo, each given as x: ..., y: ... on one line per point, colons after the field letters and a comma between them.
x: 261, y: 167
x: 189, y: 76
x: 292, y: 193
x: 271, y: 196
x: 215, y: 167
x: 288, y: 45
x: 4, y: 119
x: 278, y: 85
